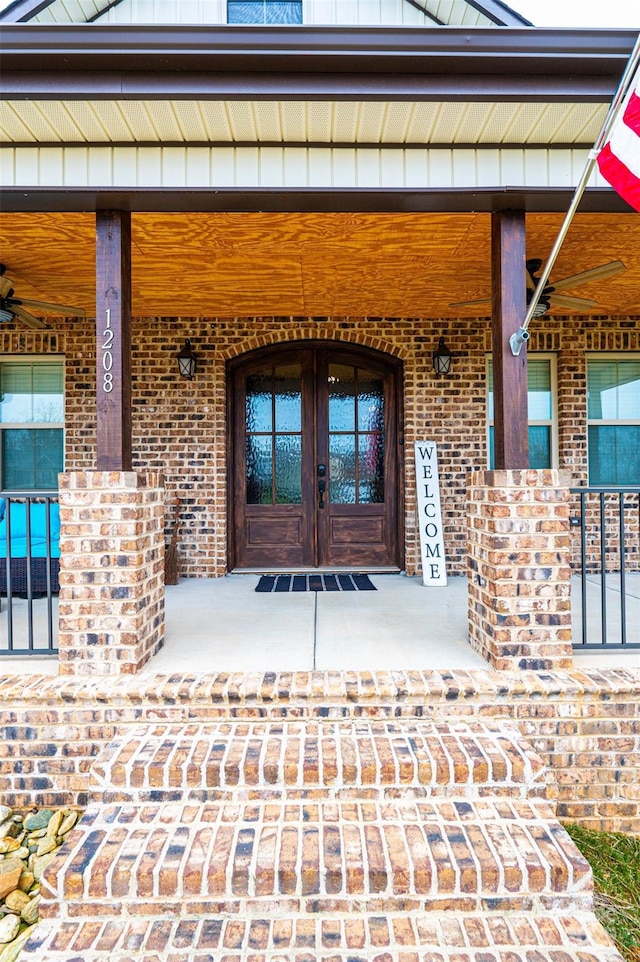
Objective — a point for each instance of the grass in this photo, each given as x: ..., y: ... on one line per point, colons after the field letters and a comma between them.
x: 615, y: 861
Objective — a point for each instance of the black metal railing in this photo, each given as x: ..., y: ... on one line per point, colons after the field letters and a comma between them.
x: 607, y: 560
x: 29, y: 566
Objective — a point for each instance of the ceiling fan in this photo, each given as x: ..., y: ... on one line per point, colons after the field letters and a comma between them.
x: 550, y: 297
x: 13, y: 308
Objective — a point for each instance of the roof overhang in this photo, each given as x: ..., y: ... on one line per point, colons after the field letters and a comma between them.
x: 105, y: 62
x: 330, y: 200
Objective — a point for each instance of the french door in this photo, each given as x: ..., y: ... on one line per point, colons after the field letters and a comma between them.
x: 314, y: 481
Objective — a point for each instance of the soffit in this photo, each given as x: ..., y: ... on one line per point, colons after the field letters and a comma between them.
x: 309, y: 265
x: 192, y: 121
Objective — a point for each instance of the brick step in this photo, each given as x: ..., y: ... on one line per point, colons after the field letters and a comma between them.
x: 216, y: 760
x: 437, y: 937
x: 248, y: 857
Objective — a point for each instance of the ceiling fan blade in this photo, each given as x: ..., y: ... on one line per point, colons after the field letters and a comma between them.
x: 484, y: 300
x: 573, y: 303
x: 27, y: 318
x: 585, y: 277
x: 61, y: 309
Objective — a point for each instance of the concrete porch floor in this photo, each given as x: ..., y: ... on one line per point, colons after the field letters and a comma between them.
x: 223, y: 624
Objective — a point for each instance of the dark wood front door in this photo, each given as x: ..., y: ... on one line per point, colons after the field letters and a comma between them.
x: 315, y: 470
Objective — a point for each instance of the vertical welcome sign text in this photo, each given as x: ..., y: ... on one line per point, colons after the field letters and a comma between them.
x: 430, y: 514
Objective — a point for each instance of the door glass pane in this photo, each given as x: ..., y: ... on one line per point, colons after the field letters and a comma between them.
x: 259, y: 402
x: 342, y: 468
x: 32, y: 459
x: 342, y: 397
x: 288, y: 395
x: 370, y: 401
x: 274, y: 450
x: 371, y: 469
x: 614, y: 454
x: 288, y: 469
x: 259, y: 469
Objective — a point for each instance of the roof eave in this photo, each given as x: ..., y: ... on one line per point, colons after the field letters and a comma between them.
x: 131, y: 62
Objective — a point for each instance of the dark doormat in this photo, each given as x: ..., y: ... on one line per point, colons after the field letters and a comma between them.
x: 346, y: 582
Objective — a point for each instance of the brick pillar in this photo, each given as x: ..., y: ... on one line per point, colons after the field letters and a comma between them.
x: 518, y: 568
x: 111, y: 571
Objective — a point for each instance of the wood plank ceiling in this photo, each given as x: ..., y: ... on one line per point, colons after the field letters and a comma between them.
x: 235, y: 264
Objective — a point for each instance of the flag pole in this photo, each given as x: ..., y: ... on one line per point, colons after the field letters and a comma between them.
x: 522, y: 334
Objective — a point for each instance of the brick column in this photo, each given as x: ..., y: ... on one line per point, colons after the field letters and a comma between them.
x: 518, y: 568
x: 111, y: 571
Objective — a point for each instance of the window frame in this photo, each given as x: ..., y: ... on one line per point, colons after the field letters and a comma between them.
x: 34, y: 425
x: 607, y: 356
x: 551, y: 422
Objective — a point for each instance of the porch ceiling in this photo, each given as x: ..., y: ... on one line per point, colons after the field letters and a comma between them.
x: 233, y: 122
x: 239, y: 264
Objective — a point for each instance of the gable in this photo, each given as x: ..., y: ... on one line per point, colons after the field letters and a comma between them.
x: 462, y: 13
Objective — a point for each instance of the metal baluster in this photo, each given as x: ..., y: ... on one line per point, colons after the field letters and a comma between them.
x: 623, y: 588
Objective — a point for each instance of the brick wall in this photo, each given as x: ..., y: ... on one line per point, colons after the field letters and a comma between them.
x: 585, y: 725
x: 180, y: 426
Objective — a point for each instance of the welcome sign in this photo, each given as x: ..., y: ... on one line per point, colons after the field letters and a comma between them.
x: 430, y: 514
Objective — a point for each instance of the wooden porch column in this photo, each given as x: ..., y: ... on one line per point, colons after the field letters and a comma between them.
x: 113, y: 340
x: 511, y: 422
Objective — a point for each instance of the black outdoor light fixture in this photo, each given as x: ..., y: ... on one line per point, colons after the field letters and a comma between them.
x: 187, y: 361
x: 442, y: 358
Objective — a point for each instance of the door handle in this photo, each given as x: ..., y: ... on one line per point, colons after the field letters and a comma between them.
x: 322, y: 484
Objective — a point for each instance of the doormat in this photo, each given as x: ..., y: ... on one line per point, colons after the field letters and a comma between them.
x: 286, y: 583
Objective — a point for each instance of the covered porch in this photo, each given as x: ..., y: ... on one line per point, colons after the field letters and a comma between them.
x: 224, y: 625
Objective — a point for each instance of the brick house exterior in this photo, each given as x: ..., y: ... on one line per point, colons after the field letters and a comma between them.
x: 120, y: 162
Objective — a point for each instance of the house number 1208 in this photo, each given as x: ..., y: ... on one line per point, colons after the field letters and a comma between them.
x: 107, y: 356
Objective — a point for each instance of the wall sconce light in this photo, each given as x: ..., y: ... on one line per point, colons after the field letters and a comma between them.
x: 442, y: 358
x: 187, y: 361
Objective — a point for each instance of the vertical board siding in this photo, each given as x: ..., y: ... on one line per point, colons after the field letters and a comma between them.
x: 291, y: 167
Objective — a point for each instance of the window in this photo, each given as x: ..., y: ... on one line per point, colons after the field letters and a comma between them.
x: 264, y: 11
x: 541, y: 394
x: 613, y: 411
x: 31, y: 424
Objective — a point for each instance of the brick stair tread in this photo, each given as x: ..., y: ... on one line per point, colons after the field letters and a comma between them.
x: 324, y: 854
x: 154, y: 761
x: 367, y: 937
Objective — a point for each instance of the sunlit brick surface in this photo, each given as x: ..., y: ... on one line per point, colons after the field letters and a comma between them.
x: 366, y: 759
x: 353, y: 840
x: 436, y: 937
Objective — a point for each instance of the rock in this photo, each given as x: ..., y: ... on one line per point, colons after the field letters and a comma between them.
x: 37, y: 833
x: 31, y: 912
x: 11, y: 952
x: 5, y: 813
x: 26, y: 880
x: 47, y: 844
x: 10, y: 829
x: 17, y: 900
x: 22, y: 852
x: 68, y: 822
x: 9, y: 928
x: 40, y: 863
x: 8, y: 844
x: 10, y: 872
x: 53, y: 826
x: 38, y: 820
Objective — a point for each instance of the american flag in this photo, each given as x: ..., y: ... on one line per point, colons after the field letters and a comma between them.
x: 619, y: 159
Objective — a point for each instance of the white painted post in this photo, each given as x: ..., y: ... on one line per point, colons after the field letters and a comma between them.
x: 434, y: 572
